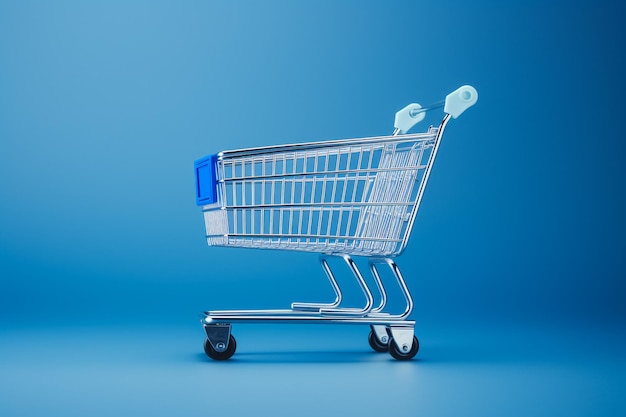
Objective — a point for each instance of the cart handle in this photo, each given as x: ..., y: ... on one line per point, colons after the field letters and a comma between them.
x: 455, y: 103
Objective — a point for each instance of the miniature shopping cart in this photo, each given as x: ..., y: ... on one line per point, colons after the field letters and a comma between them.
x: 340, y: 198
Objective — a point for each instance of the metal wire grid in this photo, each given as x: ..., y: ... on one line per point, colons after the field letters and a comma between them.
x: 351, y: 197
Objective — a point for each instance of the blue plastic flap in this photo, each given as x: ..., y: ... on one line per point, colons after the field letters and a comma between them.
x: 206, y: 180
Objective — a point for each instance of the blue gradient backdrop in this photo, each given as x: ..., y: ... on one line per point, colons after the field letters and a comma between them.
x: 105, y: 105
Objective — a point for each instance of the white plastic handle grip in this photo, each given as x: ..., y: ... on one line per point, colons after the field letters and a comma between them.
x: 460, y: 100
x: 408, y: 117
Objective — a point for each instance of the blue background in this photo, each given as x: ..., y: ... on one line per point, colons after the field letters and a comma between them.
x: 516, y: 261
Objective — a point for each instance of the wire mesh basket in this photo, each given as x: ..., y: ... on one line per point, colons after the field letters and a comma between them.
x: 355, y: 196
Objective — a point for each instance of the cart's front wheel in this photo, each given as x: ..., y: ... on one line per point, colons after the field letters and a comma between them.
x: 376, y: 344
x: 220, y: 356
x: 404, y: 356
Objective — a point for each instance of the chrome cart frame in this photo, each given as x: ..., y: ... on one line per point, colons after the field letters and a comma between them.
x: 341, y: 198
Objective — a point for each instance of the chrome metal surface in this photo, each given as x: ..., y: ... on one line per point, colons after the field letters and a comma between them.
x: 422, y: 185
x: 401, y: 283
x: 218, y: 335
x: 430, y: 107
x: 295, y: 317
x: 305, y: 146
x: 381, y: 289
x: 381, y: 333
x: 369, y: 299
x: 333, y: 284
x: 402, y: 337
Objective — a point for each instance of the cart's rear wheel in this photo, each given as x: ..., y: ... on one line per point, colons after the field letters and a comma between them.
x: 376, y: 344
x: 220, y: 356
x: 404, y: 356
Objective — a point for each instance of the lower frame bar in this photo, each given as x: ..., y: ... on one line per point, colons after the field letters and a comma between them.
x: 293, y: 318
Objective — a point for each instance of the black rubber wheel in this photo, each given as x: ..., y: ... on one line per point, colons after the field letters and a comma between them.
x: 376, y: 344
x: 220, y: 356
x: 404, y: 356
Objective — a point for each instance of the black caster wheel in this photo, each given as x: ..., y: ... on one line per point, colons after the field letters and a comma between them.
x: 376, y: 344
x: 404, y: 356
x: 220, y: 356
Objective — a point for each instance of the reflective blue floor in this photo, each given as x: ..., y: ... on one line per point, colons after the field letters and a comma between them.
x: 106, y: 370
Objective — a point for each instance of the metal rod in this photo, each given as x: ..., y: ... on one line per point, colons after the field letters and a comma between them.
x: 301, y: 236
x: 381, y: 289
x: 352, y: 173
x: 369, y: 299
x: 424, y: 181
x: 279, y: 318
x: 334, y: 285
x: 317, y: 145
x: 430, y: 107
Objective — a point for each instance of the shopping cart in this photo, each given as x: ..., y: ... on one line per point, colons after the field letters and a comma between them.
x: 341, y: 198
